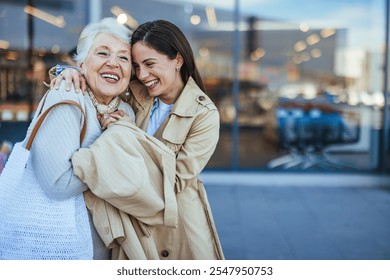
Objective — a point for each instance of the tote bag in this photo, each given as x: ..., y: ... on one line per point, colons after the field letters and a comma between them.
x: 33, y: 225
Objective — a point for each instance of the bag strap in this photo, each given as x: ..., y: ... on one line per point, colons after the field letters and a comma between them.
x: 43, y: 116
x: 43, y: 102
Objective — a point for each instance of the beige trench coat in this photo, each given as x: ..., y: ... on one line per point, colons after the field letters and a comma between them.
x: 191, y: 131
x: 130, y: 177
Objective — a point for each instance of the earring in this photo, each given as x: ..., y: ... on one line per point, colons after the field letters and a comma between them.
x: 178, y: 69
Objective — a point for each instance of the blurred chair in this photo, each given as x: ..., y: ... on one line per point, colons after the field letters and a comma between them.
x: 306, y: 136
x: 287, y: 120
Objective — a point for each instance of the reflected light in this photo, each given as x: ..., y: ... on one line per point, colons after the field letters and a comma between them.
x: 366, y: 99
x: 204, y: 52
x: 304, y: 27
x: 211, y: 16
x: 353, y: 98
x: 121, y: 16
x: 378, y: 98
x: 327, y: 32
x: 4, y: 44
x: 195, y: 19
x: 55, y: 48
x: 257, y: 54
x: 299, y: 46
x: 11, y: 55
x: 313, y: 39
x: 56, y: 21
x: 315, y: 53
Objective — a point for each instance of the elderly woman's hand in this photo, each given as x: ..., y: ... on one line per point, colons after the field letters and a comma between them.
x: 106, y: 119
x: 70, y: 75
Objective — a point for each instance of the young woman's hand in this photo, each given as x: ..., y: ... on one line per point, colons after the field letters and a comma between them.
x: 107, y: 119
x: 70, y: 75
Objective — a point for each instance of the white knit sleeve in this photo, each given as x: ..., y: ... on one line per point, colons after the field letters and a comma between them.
x: 54, y: 144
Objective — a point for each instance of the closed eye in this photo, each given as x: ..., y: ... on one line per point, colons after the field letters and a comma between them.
x: 103, y: 53
x: 150, y: 64
x: 124, y: 58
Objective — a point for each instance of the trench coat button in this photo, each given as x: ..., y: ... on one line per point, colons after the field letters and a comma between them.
x: 201, y: 98
x: 106, y: 230
x: 164, y: 253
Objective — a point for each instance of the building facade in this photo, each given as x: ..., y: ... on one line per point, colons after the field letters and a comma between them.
x: 300, y: 85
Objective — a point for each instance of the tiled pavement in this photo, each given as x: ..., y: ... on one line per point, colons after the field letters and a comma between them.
x: 270, y: 216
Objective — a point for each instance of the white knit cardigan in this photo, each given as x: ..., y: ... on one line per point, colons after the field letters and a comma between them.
x: 57, y: 139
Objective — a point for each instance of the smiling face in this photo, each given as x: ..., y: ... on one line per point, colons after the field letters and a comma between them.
x: 107, y: 67
x: 158, y: 72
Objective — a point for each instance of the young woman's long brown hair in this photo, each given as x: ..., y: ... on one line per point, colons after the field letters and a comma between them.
x: 168, y: 39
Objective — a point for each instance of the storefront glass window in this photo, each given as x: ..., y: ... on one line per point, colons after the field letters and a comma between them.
x: 299, y: 84
x: 311, y: 92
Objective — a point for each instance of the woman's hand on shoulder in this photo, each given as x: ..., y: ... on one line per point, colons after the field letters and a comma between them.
x: 70, y: 75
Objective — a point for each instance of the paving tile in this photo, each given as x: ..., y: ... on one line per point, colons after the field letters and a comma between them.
x: 302, y: 223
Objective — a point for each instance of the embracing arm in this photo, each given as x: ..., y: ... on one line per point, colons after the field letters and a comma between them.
x: 131, y: 172
x: 54, y: 144
x: 71, y: 75
x: 197, y: 149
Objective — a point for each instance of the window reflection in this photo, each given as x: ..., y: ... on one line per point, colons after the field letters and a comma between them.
x: 315, y: 57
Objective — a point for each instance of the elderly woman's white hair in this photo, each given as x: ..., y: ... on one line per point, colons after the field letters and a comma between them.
x: 107, y: 25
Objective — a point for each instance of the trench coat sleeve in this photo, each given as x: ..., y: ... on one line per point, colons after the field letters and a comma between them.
x: 120, y: 170
x: 197, y: 149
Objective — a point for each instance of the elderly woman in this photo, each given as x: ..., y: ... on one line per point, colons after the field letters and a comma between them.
x: 105, y: 60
